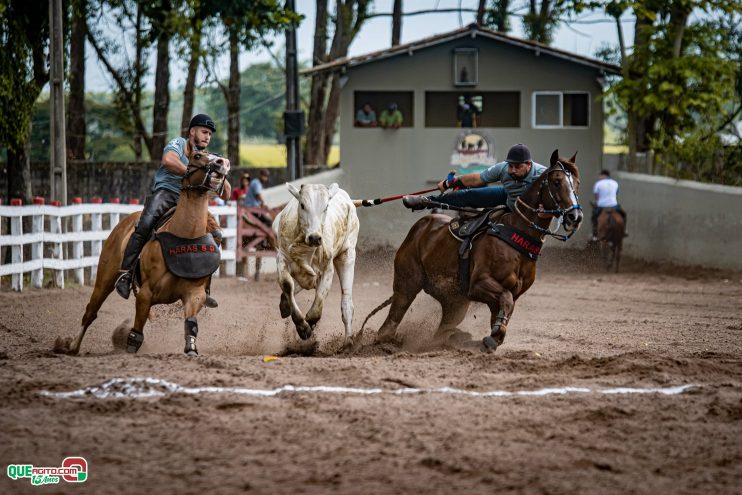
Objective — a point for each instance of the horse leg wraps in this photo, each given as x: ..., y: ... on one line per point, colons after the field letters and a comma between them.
x: 498, y: 332
x: 191, y: 332
x: 134, y: 341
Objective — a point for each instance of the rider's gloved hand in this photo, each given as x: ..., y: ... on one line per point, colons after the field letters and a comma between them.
x: 448, y: 182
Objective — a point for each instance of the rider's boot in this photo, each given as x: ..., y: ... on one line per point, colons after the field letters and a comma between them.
x: 416, y: 202
x: 123, y: 284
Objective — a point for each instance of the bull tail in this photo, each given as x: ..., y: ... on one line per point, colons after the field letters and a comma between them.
x: 376, y: 310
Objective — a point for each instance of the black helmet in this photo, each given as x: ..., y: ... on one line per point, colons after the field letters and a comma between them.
x: 518, y: 153
x: 202, y: 120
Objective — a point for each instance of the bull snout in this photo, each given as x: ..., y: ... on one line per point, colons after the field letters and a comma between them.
x: 314, y: 239
x: 573, y: 218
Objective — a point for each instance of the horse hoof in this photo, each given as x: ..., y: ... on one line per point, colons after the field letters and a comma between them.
x: 489, y: 344
x: 62, y: 345
x: 134, y: 341
x: 191, y: 353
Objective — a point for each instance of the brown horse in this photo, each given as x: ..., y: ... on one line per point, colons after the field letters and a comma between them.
x: 611, y: 228
x: 206, y: 173
x: 428, y: 259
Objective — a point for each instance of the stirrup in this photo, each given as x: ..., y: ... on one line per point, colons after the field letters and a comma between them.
x: 415, y: 203
x: 123, y: 284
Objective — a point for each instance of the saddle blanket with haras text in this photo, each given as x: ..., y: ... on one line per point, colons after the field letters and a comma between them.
x: 517, y: 239
x: 189, y: 258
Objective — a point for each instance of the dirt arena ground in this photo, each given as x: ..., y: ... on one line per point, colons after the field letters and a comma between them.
x: 648, y: 327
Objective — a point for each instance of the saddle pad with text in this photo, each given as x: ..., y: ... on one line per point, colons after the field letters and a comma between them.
x: 517, y: 239
x: 189, y: 258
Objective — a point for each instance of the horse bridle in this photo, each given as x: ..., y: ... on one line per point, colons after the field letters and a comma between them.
x: 209, y: 183
x: 557, y: 212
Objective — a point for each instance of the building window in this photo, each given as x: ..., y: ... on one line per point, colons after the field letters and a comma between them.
x: 556, y: 109
x: 472, y: 109
x: 465, y: 67
x: 365, y: 102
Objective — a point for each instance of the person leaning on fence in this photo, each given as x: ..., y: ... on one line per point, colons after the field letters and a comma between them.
x: 254, y: 196
x: 605, y: 191
x: 165, y: 194
x: 238, y: 193
x: 516, y: 174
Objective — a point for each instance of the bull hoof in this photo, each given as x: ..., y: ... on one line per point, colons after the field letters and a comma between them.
x: 134, y: 341
x: 489, y: 344
x: 304, y: 330
x: 284, y: 306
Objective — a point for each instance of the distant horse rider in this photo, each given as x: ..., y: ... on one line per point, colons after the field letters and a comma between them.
x: 165, y: 194
x: 516, y: 174
x: 605, y: 191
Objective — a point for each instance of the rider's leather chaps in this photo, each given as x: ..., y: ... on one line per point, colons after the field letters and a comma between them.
x: 155, y: 206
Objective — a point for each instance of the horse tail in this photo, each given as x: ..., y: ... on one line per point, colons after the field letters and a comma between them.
x: 376, y: 310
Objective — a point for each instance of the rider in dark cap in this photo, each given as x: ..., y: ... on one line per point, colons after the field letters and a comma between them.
x: 515, y: 174
x: 165, y: 194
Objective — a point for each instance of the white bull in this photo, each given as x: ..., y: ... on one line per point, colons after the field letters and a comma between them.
x: 317, y: 230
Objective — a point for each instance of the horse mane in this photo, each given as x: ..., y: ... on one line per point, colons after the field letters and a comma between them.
x: 571, y: 167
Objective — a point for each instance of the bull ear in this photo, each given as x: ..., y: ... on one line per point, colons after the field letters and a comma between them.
x: 333, y: 189
x: 554, y: 158
x: 574, y: 157
x: 293, y: 190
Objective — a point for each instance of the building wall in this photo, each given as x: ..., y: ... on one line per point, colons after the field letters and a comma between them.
x: 681, y: 221
x: 388, y: 162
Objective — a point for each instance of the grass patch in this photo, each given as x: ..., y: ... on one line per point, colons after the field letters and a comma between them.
x: 273, y: 155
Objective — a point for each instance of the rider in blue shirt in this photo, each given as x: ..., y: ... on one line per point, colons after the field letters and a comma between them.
x: 165, y: 194
x: 516, y: 174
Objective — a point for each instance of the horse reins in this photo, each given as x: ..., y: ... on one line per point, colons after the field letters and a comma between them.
x: 557, y: 213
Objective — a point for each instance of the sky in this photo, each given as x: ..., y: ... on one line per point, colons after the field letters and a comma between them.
x: 583, y: 37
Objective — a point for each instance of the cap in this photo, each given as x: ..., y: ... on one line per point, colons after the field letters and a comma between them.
x: 518, y: 153
x: 202, y: 120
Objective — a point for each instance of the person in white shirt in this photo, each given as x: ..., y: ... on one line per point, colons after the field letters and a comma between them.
x: 605, y: 191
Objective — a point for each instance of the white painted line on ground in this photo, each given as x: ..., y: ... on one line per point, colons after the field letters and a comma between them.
x: 136, y: 388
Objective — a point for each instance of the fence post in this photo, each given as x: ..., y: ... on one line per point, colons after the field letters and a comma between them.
x: 77, y: 246
x: 218, y: 271
x: 55, y: 227
x: 230, y: 266
x: 16, y: 229
x: 113, y: 218
x: 96, y: 225
x: 37, y: 248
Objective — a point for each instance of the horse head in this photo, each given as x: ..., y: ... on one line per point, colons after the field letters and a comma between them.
x: 314, y: 200
x: 206, y: 172
x: 559, y: 188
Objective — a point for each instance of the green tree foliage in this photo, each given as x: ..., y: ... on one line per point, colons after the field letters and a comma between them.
x: 682, y: 81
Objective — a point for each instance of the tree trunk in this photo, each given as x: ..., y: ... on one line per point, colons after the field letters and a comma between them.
x: 162, y: 94
x: 76, y: 109
x: 137, y: 87
x: 397, y: 21
x: 19, y: 172
x: 188, y: 92
x: 480, y: 12
x: 233, y: 101
x: 315, y: 126
x: 331, y: 115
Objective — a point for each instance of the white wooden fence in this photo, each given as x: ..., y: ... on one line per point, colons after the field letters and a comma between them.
x: 59, y: 236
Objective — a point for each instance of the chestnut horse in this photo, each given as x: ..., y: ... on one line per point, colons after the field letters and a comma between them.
x: 611, y: 228
x: 428, y: 259
x: 205, y: 174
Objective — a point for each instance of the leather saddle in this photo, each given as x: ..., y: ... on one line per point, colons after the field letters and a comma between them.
x: 467, y: 227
